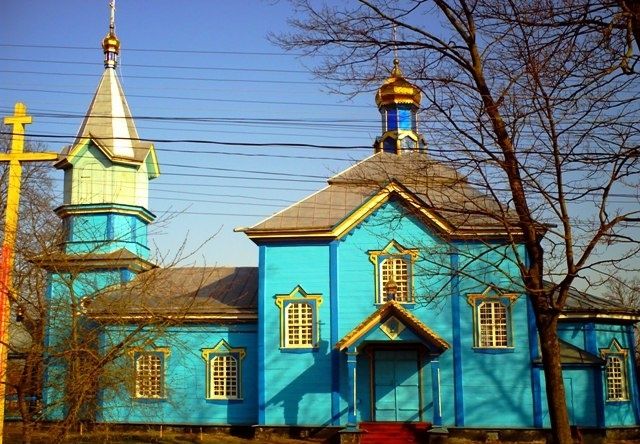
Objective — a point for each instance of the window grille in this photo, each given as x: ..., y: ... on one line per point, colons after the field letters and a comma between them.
x: 396, y: 269
x: 616, y: 378
x: 299, y: 324
x: 224, y: 377
x: 149, y: 372
x: 492, y: 323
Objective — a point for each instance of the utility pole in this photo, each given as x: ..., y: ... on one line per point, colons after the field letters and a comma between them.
x: 14, y: 157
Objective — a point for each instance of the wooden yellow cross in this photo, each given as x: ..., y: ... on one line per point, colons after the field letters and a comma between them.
x: 14, y: 157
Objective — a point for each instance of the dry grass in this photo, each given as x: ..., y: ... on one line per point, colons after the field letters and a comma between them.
x: 12, y: 435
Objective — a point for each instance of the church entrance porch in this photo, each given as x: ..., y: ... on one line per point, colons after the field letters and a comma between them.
x: 392, y: 368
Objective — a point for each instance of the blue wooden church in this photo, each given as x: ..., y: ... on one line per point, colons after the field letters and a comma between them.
x: 389, y: 296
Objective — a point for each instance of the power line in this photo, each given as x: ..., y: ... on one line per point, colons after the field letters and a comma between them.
x: 130, y: 65
x: 216, y: 142
x: 198, y: 99
x: 177, y: 51
x: 203, y: 79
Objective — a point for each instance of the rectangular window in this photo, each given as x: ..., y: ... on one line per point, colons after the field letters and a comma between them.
x: 149, y: 377
x: 404, y: 119
x: 392, y: 119
x: 492, y: 323
x: 299, y: 324
x: 616, y: 378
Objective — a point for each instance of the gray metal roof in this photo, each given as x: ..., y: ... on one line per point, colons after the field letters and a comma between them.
x: 108, y: 122
x: 192, y: 293
x: 438, y: 187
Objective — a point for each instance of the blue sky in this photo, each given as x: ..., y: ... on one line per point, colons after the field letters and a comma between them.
x: 196, y: 70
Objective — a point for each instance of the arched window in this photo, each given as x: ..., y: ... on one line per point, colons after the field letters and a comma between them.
x: 224, y: 371
x: 492, y: 319
x: 223, y: 377
x: 616, y: 371
x: 298, y: 319
x: 394, y: 273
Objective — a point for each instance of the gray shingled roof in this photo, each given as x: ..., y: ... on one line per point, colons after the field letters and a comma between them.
x: 572, y: 355
x: 182, y: 292
x: 581, y: 301
x: 440, y: 189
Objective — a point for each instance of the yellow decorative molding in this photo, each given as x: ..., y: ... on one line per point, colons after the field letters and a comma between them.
x: 383, y: 313
x: 297, y: 293
x: 222, y: 347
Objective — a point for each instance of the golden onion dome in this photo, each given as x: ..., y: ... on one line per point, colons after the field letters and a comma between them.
x: 397, y: 90
x: 111, y: 43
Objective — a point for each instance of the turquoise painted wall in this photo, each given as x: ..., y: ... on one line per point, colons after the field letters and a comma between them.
x: 501, y: 378
x: 185, y: 383
x: 297, y: 387
x: 64, y: 295
x: 357, y: 294
x: 106, y: 232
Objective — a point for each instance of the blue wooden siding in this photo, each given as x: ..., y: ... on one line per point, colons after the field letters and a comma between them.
x: 297, y: 388
x: 501, y: 380
x: 106, y: 232
x: 185, y: 383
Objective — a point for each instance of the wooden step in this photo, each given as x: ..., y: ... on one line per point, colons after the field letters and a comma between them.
x: 393, y: 432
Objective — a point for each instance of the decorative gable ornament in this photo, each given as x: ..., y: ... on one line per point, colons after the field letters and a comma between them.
x: 392, y: 327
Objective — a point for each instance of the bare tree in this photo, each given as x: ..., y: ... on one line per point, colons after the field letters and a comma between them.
x: 536, y: 103
x: 75, y: 342
x: 37, y: 231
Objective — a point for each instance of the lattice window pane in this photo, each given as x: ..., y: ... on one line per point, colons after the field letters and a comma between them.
x: 299, y: 324
x: 616, y: 378
x: 224, y: 377
x: 492, y: 322
x: 396, y: 269
x: 149, y: 370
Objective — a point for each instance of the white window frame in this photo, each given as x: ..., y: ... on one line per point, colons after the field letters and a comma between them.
x: 616, y: 379
x: 298, y: 324
x: 493, y: 329
x: 403, y: 283
x: 493, y: 324
x: 149, y: 382
x: 299, y: 330
x: 223, y: 383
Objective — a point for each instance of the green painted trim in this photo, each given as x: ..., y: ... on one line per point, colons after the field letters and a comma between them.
x: 85, y: 209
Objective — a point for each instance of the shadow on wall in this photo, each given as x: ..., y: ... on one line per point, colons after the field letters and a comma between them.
x: 307, y: 382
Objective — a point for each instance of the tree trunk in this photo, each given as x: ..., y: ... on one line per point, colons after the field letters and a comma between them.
x: 556, y: 400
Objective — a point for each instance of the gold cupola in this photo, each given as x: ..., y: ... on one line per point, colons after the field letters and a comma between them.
x: 397, y: 90
x: 398, y: 101
x: 111, y: 43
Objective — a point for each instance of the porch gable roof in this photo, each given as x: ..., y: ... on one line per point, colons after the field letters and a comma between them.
x: 378, y: 317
